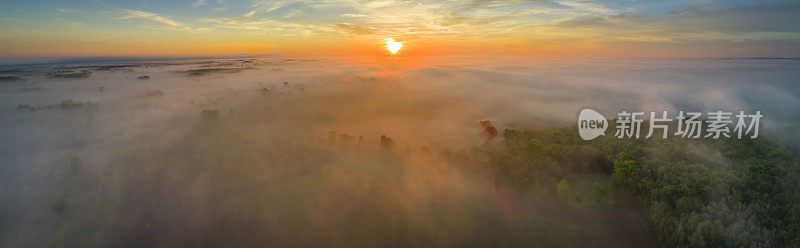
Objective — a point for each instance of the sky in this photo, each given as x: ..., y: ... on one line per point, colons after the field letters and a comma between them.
x: 546, y: 28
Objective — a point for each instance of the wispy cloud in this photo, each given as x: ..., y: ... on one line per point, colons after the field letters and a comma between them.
x: 199, y: 3
x: 163, y: 23
x: 771, y: 21
x: 65, y: 10
x: 355, y: 29
x: 150, y: 16
x: 585, y: 5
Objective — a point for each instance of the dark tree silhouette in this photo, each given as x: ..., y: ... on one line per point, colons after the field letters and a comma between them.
x: 488, y: 130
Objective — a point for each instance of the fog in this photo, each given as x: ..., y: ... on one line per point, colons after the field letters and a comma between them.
x: 286, y: 150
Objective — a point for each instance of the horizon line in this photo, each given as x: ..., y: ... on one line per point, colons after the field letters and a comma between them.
x: 55, y: 60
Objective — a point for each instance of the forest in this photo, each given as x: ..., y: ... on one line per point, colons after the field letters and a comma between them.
x: 695, y: 192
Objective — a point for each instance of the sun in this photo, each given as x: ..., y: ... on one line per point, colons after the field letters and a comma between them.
x: 392, y: 46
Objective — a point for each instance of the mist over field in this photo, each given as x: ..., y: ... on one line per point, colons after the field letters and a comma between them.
x: 288, y: 151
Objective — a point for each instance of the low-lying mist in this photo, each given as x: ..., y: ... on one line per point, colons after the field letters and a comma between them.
x: 288, y: 151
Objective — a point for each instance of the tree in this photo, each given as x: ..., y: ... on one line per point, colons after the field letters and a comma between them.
x: 628, y: 176
x: 564, y: 190
x: 386, y: 141
x: 488, y: 130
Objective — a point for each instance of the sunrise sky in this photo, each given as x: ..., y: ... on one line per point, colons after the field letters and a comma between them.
x: 608, y: 28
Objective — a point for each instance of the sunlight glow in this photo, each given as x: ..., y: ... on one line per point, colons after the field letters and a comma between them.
x: 392, y: 45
